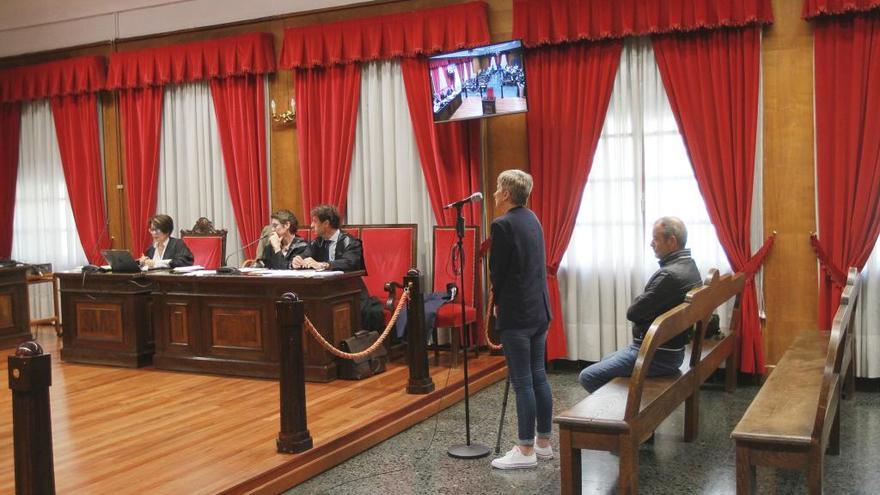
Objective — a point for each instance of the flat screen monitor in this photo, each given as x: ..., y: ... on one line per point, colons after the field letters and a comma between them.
x: 479, y: 82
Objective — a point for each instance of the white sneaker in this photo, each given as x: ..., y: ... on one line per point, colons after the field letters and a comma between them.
x: 544, y: 453
x: 515, y: 459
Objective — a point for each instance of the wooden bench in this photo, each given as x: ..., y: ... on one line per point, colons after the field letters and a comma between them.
x: 795, y: 417
x: 624, y: 413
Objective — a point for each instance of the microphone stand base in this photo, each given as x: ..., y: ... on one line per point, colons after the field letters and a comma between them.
x: 472, y: 451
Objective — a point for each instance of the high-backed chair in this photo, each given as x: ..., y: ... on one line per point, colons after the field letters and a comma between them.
x: 207, y: 244
x: 449, y: 315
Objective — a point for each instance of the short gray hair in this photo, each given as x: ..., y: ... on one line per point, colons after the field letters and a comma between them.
x: 518, y: 184
x: 674, y: 227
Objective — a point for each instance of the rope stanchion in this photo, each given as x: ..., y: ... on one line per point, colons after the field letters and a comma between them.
x: 492, y: 345
x: 357, y: 355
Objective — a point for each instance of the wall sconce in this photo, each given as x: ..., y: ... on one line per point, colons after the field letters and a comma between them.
x: 284, y: 118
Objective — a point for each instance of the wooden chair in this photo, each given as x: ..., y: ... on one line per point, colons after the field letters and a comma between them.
x: 207, y: 244
x: 795, y: 418
x: 449, y: 315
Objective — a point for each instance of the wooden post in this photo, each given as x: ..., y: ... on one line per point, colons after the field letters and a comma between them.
x: 294, y: 436
x: 420, y: 381
x: 30, y: 376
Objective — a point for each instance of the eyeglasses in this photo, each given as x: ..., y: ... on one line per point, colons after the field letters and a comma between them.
x: 275, y: 225
x: 154, y: 230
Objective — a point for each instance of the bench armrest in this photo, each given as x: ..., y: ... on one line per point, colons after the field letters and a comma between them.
x: 391, y: 288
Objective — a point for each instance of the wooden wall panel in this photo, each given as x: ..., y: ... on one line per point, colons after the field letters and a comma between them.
x: 790, y: 270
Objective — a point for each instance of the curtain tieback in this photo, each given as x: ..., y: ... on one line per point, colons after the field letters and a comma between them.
x: 755, y: 262
x: 838, y: 276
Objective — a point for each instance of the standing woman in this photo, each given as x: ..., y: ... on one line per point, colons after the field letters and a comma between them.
x: 166, y: 251
x: 517, y: 268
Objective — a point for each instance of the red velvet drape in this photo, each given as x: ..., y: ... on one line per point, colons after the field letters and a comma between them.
x: 847, y: 57
x: 239, y: 104
x: 569, y: 90
x: 10, y: 131
x: 76, y: 125
x: 712, y: 80
x: 141, y: 113
x: 816, y: 8
x: 450, y: 152
x: 327, y: 111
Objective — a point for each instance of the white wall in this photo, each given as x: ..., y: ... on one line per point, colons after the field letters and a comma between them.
x: 28, y: 26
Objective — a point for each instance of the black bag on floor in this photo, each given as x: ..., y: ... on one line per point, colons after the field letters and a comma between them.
x: 367, y: 366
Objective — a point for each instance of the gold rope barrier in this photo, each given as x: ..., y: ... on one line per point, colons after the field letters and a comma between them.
x: 347, y: 355
x: 492, y: 345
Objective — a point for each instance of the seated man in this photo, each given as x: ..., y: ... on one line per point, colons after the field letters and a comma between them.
x: 666, y: 289
x: 332, y: 248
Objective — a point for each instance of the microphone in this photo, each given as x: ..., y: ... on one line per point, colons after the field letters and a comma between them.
x: 231, y: 270
x: 477, y: 196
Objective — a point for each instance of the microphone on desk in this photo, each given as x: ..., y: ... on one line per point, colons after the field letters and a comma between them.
x: 477, y: 196
x: 231, y: 270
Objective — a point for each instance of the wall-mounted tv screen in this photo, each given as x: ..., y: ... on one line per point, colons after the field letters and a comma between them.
x: 480, y: 82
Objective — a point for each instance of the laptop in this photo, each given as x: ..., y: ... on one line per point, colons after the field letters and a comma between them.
x: 121, y: 261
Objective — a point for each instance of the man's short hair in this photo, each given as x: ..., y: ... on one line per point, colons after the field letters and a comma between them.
x: 674, y: 227
x: 286, y: 216
x: 161, y: 222
x: 327, y: 213
x: 518, y: 184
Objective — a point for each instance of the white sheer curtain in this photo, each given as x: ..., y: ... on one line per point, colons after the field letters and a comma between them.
x: 867, y: 330
x: 192, y: 175
x: 43, y: 227
x: 640, y: 172
x: 387, y: 184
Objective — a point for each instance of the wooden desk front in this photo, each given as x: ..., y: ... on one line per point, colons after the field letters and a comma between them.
x: 14, y: 309
x: 214, y: 324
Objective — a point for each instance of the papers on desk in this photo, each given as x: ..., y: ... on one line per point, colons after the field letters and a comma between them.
x: 187, y: 269
x: 300, y: 273
x: 200, y: 273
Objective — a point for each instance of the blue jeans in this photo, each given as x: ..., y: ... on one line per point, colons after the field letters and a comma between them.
x: 524, y: 352
x: 622, y: 362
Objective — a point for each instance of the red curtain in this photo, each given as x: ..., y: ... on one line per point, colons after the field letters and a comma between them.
x: 59, y: 78
x: 76, y: 124
x: 712, y: 80
x: 406, y: 34
x: 449, y: 152
x: 847, y: 58
x: 327, y: 107
x: 252, y: 53
x: 141, y: 113
x: 569, y: 90
x: 816, y: 8
x: 239, y: 105
x: 539, y: 22
x: 10, y: 127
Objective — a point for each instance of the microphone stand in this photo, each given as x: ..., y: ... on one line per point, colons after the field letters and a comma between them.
x: 468, y: 450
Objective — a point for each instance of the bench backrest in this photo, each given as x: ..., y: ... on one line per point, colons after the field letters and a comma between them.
x: 839, y: 348
x: 696, y: 310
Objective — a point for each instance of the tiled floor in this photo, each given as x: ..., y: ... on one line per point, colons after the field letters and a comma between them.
x: 415, y: 461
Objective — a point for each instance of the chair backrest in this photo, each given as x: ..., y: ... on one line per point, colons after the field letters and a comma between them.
x: 389, y: 252
x: 207, y: 244
x: 305, y: 233
x: 444, y: 245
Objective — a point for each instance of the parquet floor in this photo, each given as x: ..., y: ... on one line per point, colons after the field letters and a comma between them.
x: 121, y: 431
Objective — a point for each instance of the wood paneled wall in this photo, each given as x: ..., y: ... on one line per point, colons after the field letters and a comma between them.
x: 790, y: 275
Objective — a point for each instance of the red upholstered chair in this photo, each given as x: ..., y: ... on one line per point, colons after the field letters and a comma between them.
x: 449, y: 314
x: 207, y: 244
x: 305, y: 233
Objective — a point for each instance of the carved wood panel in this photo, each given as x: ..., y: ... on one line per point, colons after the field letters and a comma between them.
x: 96, y: 321
x: 178, y: 323
x: 342, y: 322
x: 6, y: 316
x: 237, y: 328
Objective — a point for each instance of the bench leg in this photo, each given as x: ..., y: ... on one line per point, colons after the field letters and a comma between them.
x: 628, y: 477
x: 745, y: 472
x: 834, y: 437
x: 692, y: 417
x: 815, y: 470
x: 569, y: 464
x: 850, y: 385
x: 730, y: 369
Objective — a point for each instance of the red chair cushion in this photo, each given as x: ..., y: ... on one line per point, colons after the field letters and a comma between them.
x: 207, y: 251
x: 387, y: 256
x: 449, y: 315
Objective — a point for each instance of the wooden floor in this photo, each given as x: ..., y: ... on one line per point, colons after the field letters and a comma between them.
x: 146, y: 431
x: 472, y: 106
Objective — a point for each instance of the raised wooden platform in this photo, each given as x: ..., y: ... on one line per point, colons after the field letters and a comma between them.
x: 120, y: 430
